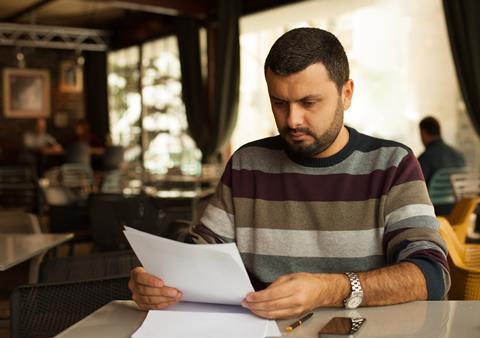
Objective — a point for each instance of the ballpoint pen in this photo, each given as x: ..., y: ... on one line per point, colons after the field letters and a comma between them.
x: 298, y: 322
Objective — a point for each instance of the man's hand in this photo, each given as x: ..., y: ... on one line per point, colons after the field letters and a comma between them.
x: 294, y: 294
x: 151, y: 293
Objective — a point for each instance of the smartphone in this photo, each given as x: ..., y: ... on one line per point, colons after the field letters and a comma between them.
x: 340, y: 327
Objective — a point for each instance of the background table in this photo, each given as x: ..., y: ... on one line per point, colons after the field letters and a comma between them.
x: 432, y: 319
x: 17, y: 248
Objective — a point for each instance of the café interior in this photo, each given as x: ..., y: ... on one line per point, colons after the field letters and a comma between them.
x: 139, y: 104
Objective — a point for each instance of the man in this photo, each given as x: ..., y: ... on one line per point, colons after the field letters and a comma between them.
x: 322, y: 215
x: 39, y: 140
x: 437, y: 154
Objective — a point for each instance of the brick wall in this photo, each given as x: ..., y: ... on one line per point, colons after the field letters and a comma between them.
x: 71, y: 105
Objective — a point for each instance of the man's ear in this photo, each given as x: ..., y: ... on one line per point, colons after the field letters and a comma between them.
x: 347, y: 94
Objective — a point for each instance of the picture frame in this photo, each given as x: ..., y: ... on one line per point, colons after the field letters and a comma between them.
x: 71, y: 77
x: 26, y: 93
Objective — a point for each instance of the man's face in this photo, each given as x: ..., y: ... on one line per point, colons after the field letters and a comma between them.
x: 308, y: 108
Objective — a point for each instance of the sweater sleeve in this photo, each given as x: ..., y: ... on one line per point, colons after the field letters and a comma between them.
x: 411, y: 228
x: 217, y: 223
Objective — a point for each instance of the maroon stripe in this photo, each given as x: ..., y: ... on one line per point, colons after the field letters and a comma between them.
x: 227, y: 174
x: 408, y: 170
x: 301, y: 187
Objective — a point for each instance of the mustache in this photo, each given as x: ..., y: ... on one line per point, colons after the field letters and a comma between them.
x: 298, y: 130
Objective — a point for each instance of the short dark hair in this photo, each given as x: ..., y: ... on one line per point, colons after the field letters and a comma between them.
x: 430, y: 125
x: 301, y: 47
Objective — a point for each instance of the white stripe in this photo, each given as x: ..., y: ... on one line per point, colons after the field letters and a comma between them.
x: 303, y: 243
x: 408, y: 211
x: 219, y: 221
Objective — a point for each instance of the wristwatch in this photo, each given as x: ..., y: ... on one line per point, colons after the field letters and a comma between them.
x: 356, y: 295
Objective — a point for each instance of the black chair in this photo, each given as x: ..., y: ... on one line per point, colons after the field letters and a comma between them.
x: 113, y: 158
x: 19, y: 187
x: 44, y: 310
x: 67, y: 213
x: 99, y: 265
x: 78, y: 152
x: 109, y: 213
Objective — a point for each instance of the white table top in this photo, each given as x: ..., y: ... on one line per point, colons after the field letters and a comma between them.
x: 17, y: 248
x: 433, y: 319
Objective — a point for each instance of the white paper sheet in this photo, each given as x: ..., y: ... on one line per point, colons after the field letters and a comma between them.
x: 205, y: 321
x: 206, y: 274
x: 203, y: 273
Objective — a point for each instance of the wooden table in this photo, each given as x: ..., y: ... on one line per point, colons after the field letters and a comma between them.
x: 429, y: 319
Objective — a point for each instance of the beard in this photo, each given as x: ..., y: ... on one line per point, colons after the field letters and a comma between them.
x: 320, y: 142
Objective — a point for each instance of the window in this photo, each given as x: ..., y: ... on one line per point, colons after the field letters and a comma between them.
x: 147, y: 114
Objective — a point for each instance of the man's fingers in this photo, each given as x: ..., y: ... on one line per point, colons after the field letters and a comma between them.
x: 140, y: 276
x: 153, y: 291
x: 155, y: 300
x: 273, y: 292
x: 277, y: 304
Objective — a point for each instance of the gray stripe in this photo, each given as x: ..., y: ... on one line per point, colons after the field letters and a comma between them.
x: 417, y: 246
x: 414, y: 222
x: 302, y: 243
x: 301, y: 215
x: 269, y: 268
x: 219, y: 221
x: 408, y: 211
x: 276, y: 161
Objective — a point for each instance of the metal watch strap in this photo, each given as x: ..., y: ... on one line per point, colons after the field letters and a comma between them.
x: 354, y: 281
x: 355, y: 298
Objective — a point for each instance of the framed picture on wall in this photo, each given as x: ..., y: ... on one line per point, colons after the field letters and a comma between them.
x: 26, y: 93
x: 71, y: 77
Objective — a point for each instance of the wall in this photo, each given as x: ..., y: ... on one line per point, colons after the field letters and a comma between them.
x: 70, y: 105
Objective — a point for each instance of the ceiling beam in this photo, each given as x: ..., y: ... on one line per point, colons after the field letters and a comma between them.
x: 27, y: 10
x: 199, y: 9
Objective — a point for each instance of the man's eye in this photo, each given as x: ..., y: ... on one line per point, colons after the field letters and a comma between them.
x: 279, y: 103
x: 308, y: 103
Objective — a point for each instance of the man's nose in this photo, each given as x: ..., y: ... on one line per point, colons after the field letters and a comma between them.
x: 295, y: 116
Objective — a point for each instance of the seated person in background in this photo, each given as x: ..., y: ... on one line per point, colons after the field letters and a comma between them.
x: 322, y: 215
x: 437, y: 154
x: 39, y: 141
x: 83, y: 134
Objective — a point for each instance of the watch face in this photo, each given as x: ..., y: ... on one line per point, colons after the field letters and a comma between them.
x: 353, y: 302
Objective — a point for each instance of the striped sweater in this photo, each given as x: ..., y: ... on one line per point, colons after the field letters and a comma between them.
x: 361, y: 209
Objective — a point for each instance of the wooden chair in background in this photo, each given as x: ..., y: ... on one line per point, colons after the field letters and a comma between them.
x: 464, y: 261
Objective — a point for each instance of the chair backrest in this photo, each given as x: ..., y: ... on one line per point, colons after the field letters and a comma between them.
x: 44, y: 310
x: 465, y: 184
x: 465, y: 279
x: 78, y: 152
x: 18, y: 187
x: 99, y: 265
x: 109, y: 213
x: 112, y: 182
x: 461, y: 216
x: 440, y: 188
x: 455, y: 247
x: 113, y: 158
x: 19, y: 222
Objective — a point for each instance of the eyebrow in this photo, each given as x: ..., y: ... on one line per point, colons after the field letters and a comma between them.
x: 308, y: 97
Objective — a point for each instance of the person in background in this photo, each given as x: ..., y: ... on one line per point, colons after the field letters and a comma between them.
x: 437, y: 154
x: 83, y: 134
x: 39, y: 141
x: 322, y: 215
